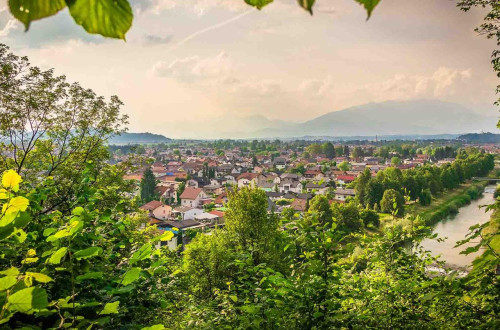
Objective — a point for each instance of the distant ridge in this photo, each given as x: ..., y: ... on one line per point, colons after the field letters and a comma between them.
x: 416, y: 117
x: 480, y: 138
x: 142, y: 138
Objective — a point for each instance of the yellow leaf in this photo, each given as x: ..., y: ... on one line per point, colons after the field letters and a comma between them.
x: 31, y: 253
x: 11, y: 180
x: 3, y: 194
x: 16, y: 204
x: 42, y: 278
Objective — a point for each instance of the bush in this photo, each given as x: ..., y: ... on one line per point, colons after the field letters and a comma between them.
x: 370, y: 218
x: 392, y: 201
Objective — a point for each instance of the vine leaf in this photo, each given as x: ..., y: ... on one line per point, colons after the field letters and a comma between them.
x: 369, y: 5
x: 109, y: 18
x: 27, y: 11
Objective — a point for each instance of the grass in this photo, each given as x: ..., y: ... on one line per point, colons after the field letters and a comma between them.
x: 448, y: 203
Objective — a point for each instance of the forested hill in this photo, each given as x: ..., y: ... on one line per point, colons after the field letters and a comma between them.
x: 134, y: 138
x: 480, y: 138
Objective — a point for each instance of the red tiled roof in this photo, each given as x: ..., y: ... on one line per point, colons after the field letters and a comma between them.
x: 220, y: 214
x: 248, y: 176
x: 191, y: 193
x: 153, y: 205
x: 346, y: 177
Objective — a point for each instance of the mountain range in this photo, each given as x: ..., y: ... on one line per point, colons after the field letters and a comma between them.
x: 421, y: 117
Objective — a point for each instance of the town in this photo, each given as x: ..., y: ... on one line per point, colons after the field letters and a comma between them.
x: 190, y: 183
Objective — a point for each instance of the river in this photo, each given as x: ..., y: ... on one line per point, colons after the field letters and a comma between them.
x: 455, y: 228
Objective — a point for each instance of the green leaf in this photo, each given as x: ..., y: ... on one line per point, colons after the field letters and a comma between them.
x: 109, y: 18
x: 131, y: 275
x: 89, y: 276
x: 27, y: 11
x: 155, y: 327
x: 27, y: 299
x: 234, y: 298
x: 42, y: 278
x: 258, y: 3
x: 141, y: 254
x: 7, y: 281
x: 87, y: 253
x: 12, y: 271
x: 369, y: 5
x: 77, y: 210
x: 110, y: 308
x: 55, y: 259
x: 307, y: 5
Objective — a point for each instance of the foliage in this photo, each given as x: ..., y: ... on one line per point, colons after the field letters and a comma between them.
x: 112, y: 18
x: 392, y: 202
x: 148, y: 185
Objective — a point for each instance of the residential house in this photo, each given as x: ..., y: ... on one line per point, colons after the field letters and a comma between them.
x: 192, y: 197
x: 343, y: 194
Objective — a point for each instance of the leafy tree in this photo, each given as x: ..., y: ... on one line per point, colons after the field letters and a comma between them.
x: 344, y: 166
x: 396, y: 161
x: 328, y: 149
x: 249, y: 226
x: 370, y: 218
x: 392, y: 202
x: 148, y: 185
x: 347, y: 216
x: 361, y: 184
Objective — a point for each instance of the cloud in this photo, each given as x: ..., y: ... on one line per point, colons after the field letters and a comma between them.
x: 194, y: 69
x: 152, y: 39
x: 199, y: 7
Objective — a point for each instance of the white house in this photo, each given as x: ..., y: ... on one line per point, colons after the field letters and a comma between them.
x: 192, y: 197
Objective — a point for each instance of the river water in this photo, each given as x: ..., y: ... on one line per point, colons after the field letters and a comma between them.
x: 455, y: 228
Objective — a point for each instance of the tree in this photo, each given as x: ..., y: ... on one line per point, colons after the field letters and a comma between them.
x: 392, y: 202
x: 344, y: 166
x: 314, y: 149
x: 346, y: 151
x: 320, y: 210
x: 370, y: 218
x: 361, y: 183
x: 148, y: 185
x: 180, y: 190
x: 396, y: 161
x: 250, y: 227
x: 347, y: 216
x: 328, y: 149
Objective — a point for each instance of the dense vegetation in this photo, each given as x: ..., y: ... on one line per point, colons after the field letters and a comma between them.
x: 76, y: 253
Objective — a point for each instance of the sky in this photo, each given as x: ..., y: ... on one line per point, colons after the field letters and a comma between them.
x: 190, y: 67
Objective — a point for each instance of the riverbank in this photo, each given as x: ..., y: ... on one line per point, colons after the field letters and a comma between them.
x: 455, y: 228
x: 448, y: 203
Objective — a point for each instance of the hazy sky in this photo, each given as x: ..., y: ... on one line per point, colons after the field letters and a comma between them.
x: 189, y: 63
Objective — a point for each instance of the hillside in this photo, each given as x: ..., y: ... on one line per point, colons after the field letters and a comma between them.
x: 134, y: 138
x: 420, y: 117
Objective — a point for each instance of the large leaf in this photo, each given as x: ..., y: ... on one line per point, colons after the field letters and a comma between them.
x: 55, y: 259
x: 369, y: 5
x: 89, y: 276
x: 131, y: 275
x: 110, y: 18
x: 42, y: 278
x: 110, y: 308
x: 307, y: 5
x: 7, y: 281
x: 258, y: 3
x: 141, y: 254
x: 27, y: 299
x: 27, y: 11
x: 87, y: 253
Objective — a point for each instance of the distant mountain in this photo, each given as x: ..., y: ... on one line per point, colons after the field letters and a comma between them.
x: 421, y: 117
x: 138, y: 138
x: 480, y: 138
